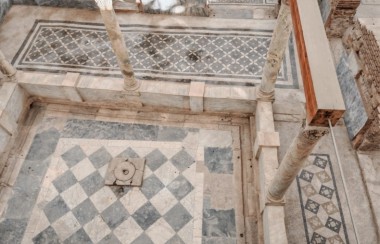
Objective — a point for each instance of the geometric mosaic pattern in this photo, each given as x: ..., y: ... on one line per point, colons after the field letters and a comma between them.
x: 84, y: 210
x: 59, y: 195
x: 220, y: 56
x: 321, y: 209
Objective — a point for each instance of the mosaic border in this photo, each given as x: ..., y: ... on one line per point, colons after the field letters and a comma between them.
x: 305, y: 223
x: 232, y: 79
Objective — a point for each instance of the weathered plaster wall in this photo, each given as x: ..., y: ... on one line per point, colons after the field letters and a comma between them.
x: 5, y: 5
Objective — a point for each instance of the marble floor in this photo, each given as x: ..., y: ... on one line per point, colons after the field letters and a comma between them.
x: 191, y: 192
x: 317, y: 205
x: 172, y: 49
x: 195, y: 187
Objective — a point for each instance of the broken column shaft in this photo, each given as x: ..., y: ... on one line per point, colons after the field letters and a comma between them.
x: 117, y: 42
x: 275, y: 54
x: 6, y: 68
x: 293, y: 161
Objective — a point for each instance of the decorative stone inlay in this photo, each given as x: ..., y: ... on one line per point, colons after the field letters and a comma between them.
x: 321, y: 210
x: 220, y: 56
x: 125, y: 172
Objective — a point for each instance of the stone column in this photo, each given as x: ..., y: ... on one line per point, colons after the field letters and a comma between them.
x: 276, y: 52
x: 6, y: 68
x: 293, y: 161
x: 118, y: 44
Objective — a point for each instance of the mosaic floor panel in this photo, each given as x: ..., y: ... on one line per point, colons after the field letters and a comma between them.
x: 321, y: 208
x: 216, y: 56
x: 60, y: 197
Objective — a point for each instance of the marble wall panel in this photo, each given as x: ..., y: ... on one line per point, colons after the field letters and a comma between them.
x: 16, y: 104
x: 5, y: 5
x: 325, y: 7
x: 12, y: 106
x: 4, y: 138
x: 89, y: 4
x: 356, y: 116
x: 229, y: 105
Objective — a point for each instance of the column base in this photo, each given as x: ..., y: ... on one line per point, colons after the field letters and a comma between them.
x: 135, y: 84
x: 11, y: 77
x: 264, y: 96
x: 271, y: 201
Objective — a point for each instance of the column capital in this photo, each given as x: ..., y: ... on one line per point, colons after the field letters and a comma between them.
x: 314, y: 133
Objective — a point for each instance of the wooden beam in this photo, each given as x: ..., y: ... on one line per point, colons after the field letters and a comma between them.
x: 324, y: 99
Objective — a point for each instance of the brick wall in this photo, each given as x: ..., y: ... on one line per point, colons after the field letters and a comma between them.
x: 338, y: 15
x: 364, y: 68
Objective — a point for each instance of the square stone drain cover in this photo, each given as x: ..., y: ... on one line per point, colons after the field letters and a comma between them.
x: 125, y: 172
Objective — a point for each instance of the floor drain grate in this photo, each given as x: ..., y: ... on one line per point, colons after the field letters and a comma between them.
x: 125, y: 172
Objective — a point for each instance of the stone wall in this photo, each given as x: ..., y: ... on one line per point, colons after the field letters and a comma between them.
x: 360, y: 89
x: 5, y: 5
x: 338, y: 15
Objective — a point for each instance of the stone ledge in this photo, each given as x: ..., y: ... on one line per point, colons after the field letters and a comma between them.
x: 104, y: 90
x: 265, y: 139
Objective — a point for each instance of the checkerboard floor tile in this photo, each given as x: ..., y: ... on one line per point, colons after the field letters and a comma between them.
x: 72, y: 204
x: 86, y: 211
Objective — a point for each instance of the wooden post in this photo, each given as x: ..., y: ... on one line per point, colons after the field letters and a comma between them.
x: 6, y: 68
x: 118, y: 44
x: 293, y: 161
x: 275, y: 54
x: 324, y: 99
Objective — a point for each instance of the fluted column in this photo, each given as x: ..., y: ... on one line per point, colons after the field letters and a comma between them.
x: 118, y: 44
x: 276, y: 53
